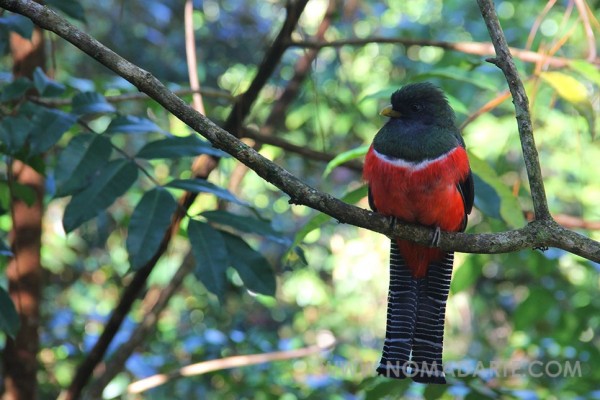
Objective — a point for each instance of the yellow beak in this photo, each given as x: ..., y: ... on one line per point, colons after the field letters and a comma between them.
x: 390, y: 112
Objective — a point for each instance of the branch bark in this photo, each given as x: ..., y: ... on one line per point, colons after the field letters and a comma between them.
x: 540, y: 233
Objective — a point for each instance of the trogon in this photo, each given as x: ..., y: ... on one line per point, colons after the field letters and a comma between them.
x: 418, y: 172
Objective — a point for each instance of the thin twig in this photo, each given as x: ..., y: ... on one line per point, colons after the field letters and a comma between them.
x: 570, y: 221
x: 475, y: 48
x: 537, y: 23
x: 229, y: 362
x: 190, y: 53
x: 490, y: 105
x: 302, y: 150
x: 587, y: 27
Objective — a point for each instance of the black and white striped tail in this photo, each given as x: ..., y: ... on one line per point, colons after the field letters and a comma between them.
x: 415, y: 320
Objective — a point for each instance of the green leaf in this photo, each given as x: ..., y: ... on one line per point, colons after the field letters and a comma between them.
x: 387, y: 388
x: 566, y: 86
x: 46, y: 86
x: 71, y: 8
x: 510, y: 209
x: 5, y: 249
x: 14, y: 132
x: 587, y: 70
x: 466, y: 274
x: 458, y: 106
x: 84, y: 155
x: 48, y: 127
x: 571, y: 90
x: 15, y: 90
x: 346, y: 156
x: 210, y: 252
x: 24, y: 192
x: 19, y: 24
x: 90, y: 103
x: 111, y: 182
x: 486, y: 198
x: 203, y: 186
x: 253, y: 267
x: 4, y: 37
x: 533, y: 308
x: 245, y: 224
x: 149, y: 221
x: 179, y: 146
x: 320, y: 219
x: 4, y: 197
x: 9, y: 319
x: 131, y: 124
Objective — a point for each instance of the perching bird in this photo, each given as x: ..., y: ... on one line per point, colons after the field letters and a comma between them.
x: 418, y: 172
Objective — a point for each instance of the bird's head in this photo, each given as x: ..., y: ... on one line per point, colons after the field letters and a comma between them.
x: 420, y: 103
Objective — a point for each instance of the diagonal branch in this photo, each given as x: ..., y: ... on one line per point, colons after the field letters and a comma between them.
x: 242, y: 106
x: 539, y: 233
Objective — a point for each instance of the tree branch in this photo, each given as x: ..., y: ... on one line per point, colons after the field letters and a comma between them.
x: 302, y: 150
x: 116, y: 363
x: 327, y: 341
x: 505, y: 62
x: 278, y: 111
x: 475, y: 48
x: 192, y: 60
x: 270, y: 61
x: 539, y: 233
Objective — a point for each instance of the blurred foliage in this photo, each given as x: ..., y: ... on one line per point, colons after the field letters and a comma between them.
x: 534, y: 314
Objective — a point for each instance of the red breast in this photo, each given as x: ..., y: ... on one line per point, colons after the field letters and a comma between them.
x: 423, y: 193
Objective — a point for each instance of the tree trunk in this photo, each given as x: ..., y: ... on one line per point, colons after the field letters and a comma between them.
x: 24, y: 270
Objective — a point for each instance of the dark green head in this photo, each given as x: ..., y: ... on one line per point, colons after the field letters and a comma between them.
x: 421, y: 124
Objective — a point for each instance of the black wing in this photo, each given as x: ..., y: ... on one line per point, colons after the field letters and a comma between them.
x: 467, y: 192
x: 370, y: 197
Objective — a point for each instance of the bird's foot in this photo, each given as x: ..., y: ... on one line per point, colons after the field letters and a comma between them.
x: 393, y: 222
x: 435, y: 241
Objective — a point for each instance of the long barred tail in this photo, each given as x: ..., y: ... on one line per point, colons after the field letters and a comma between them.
x: 415, y: 320
x: 401, y: 317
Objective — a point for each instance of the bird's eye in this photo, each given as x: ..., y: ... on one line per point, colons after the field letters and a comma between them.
x: 416, y: 107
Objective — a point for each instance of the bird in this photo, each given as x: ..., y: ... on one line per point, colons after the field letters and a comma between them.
x: 417, y: 171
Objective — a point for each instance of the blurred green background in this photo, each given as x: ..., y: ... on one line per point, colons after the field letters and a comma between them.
x: 504, y: 310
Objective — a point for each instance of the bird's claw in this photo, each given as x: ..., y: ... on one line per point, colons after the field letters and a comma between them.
x: 435, y: 241
x: 393, y: 221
